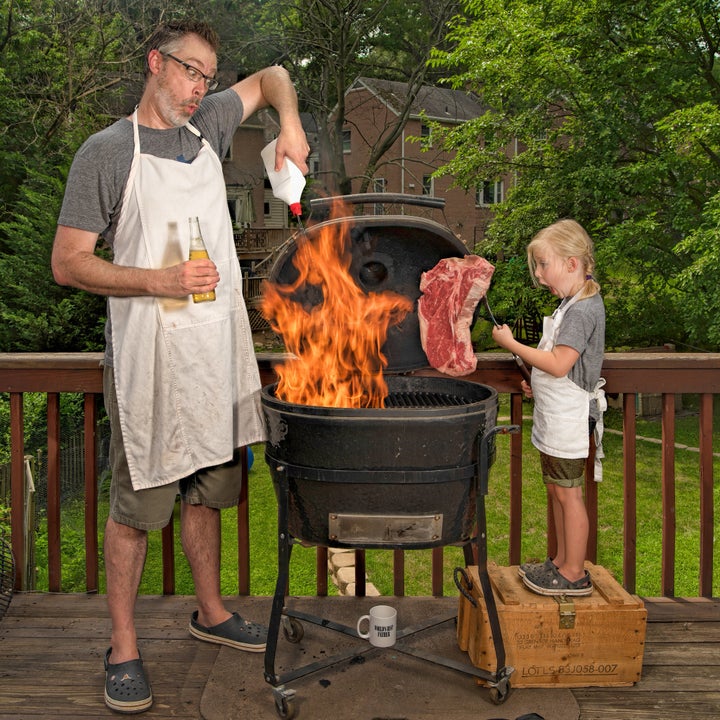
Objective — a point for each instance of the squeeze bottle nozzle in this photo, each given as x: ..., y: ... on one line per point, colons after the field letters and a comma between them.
x: 287, y: 183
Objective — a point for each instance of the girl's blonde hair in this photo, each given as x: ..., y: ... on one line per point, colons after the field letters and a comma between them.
x: 566, y: 239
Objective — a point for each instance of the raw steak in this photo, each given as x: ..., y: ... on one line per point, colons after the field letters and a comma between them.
x: 450, y: 294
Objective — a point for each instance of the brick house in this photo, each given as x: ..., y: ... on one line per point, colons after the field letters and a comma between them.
x: 373, y: 107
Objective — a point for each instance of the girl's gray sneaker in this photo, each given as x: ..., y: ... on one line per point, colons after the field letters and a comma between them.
x: 522, y: 570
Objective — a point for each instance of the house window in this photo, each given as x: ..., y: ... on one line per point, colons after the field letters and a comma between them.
x: 489, y: 193
x: 379, y: 187
x: 425, y: 136
x: 346, y: 141
x: 428, y: 186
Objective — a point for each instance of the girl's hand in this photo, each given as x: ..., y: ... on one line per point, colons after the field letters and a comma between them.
x: 527, y: 389
x: 502, y: 335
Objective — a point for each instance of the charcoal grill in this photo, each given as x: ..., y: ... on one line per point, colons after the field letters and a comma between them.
x: 410, y: 475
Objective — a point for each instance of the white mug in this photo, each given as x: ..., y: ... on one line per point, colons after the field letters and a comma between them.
x: 382, y: 626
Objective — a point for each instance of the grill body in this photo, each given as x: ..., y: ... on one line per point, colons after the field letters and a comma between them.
x: 410, y: 475
x: 403, y: 476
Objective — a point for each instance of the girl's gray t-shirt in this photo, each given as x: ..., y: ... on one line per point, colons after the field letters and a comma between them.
x: 583, y: 329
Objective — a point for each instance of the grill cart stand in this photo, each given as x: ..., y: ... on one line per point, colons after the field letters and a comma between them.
x: 291, y: 621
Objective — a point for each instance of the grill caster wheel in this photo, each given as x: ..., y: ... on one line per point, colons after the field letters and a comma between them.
x: 293, y: 630
x: 284, y: 702
x: 500, y: 692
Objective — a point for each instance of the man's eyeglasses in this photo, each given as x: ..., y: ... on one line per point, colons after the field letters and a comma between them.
x: 193, y: 74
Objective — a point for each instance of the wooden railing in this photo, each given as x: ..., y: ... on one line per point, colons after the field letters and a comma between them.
x: 252, y: 289
x: 260, y: 239
x: 666, y: 374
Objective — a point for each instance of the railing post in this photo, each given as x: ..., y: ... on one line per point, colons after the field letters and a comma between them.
x: 53, y: 492
x: 707, y: 515
x: 516, y: 470
x: 243, y: 517
x: 92, y: 579
x: 437, y: 571
x: 591, y: 503
x: 167, y: 541
x: 398, y: 573
x: 668, y: 495
x: 629, y: 493
x: 321, y: 572
x: 17, y: 486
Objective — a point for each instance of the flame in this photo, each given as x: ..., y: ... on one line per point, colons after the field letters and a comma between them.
x: 337, y: 342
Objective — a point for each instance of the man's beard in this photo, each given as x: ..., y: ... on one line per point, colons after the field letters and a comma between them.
x: 168, y: 105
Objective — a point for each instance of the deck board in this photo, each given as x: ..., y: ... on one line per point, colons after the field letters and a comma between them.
x: 52, y: 645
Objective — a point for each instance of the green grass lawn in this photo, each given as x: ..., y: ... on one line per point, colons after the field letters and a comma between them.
x: 263, y: 524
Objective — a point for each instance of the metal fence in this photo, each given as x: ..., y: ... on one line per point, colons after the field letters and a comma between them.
x: 72, y: 475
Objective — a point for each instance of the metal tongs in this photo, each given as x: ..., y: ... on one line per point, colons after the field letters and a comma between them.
x: 521, y: 365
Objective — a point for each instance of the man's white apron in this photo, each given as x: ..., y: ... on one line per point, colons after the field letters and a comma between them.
x: 187, y: 381
x: 562, y: 408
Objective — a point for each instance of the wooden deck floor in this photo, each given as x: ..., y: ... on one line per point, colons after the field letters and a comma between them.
x: 51, y: 649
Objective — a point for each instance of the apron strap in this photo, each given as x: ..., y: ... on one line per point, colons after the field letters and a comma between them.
x: 598, y: 394
x: 136, y: 132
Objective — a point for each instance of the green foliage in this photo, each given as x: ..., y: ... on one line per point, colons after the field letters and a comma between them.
x: 64, y: 66
x: 34, y: 417
x: 616, y: 113
x: 39, y: 315
x: 327, y: 46
x: 699, y: 279
x: 4, y: 519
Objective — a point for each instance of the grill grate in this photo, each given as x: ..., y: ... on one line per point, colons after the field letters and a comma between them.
x: 424, y: 400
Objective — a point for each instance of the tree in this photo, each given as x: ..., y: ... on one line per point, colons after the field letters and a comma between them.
x: 64, y: 69
x: 327, y: 44
x: 616, y: 110
x: 67, y: 70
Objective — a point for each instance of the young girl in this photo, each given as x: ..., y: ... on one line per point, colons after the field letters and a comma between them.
x: 569, y: 400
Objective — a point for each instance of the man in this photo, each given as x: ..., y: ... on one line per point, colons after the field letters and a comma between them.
x: 181, y: 384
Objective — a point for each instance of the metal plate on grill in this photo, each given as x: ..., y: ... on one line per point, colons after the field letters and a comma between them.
x: 384, y: 529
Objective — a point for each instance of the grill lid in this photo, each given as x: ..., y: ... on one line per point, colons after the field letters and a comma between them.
x: 389, y: 252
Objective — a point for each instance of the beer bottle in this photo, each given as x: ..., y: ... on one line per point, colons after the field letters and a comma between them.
x: 198, y: 251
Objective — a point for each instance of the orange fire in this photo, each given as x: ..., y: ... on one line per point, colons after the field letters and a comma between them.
x: 336, y: 343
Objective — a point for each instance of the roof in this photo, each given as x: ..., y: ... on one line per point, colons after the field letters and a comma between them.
x: 436, y: 103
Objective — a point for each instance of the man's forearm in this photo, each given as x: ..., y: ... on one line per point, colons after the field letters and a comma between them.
x: 278, y: 91
x: 95, y: 275
x: 272, y: 86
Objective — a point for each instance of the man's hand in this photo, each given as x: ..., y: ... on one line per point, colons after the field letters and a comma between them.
x: 75, y: 263
x: 190, y: 277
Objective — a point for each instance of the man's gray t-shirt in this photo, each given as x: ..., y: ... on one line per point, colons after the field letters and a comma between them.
x: 99, y: 173
x: 101, y: 166
x: 583, y: 329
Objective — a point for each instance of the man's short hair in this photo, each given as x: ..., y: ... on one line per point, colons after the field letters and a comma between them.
x: 167, y: 37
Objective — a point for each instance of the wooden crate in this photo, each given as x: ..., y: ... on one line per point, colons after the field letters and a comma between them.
x: 590, y: 641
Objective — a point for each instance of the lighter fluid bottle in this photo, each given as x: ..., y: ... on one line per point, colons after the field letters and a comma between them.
x: 198, y: 251
x: 288, y: 182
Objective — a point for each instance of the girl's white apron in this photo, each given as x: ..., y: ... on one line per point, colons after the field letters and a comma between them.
x: 562, y: 408
x: 187, y: 381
